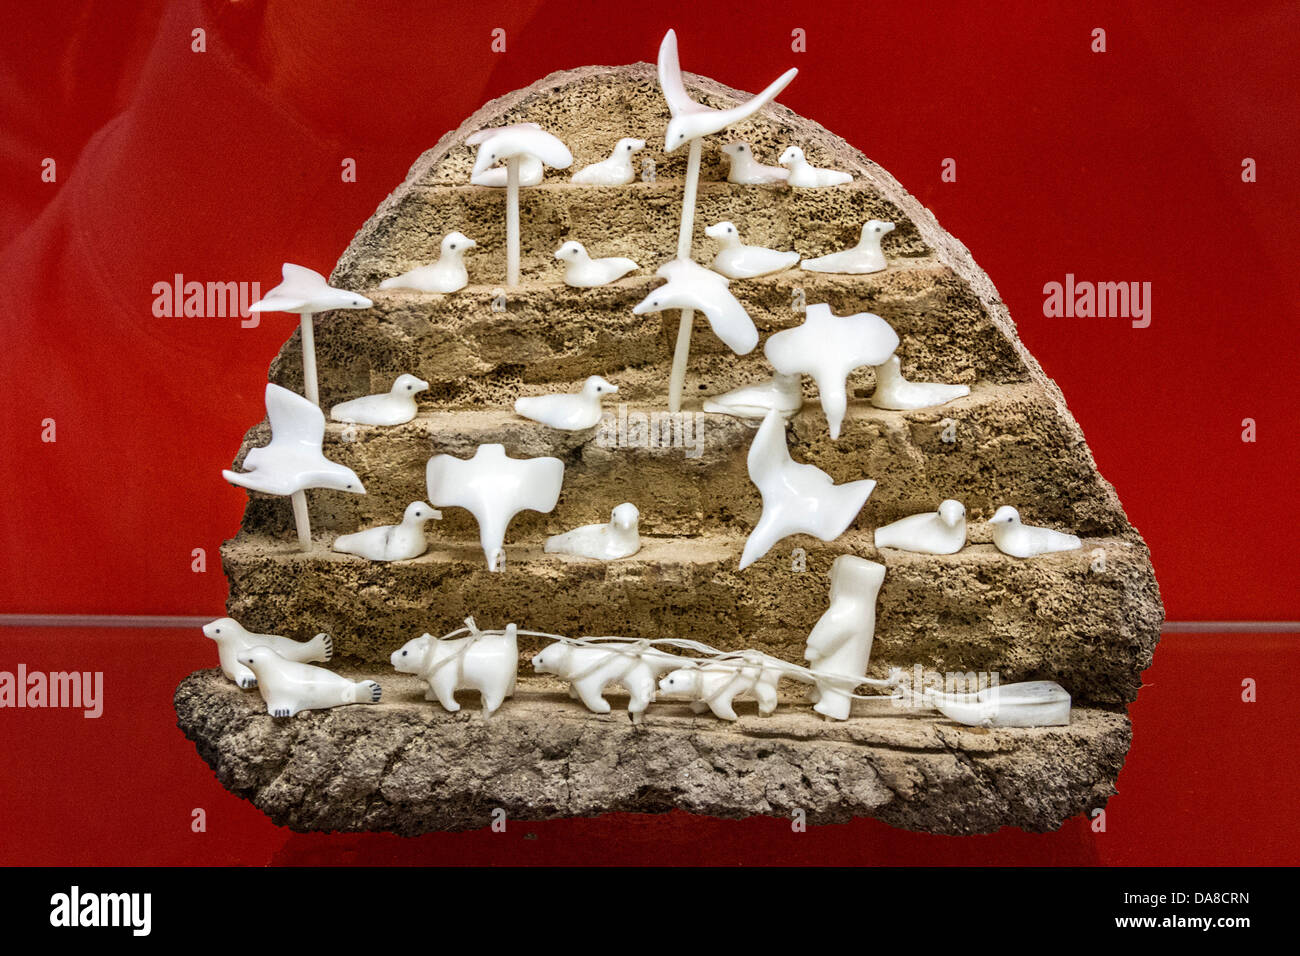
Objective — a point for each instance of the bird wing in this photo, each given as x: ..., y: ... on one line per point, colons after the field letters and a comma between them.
x: 756, y: 103
x: 255, y: 480
x: 768, y: 454
x: 473, y: 139
x: 670, y: 79
x: 300, y: 277
x: 293, y: 418
x: 728, y: 318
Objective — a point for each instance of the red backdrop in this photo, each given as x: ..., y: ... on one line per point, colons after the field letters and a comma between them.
x: 219, y: 165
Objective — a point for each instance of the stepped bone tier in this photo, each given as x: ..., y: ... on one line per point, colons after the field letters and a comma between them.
x: 1087, y: 618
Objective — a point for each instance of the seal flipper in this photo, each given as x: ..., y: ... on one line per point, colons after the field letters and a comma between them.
x: 321, y: 648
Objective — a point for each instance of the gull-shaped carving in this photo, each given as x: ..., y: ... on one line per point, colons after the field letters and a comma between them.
x: 293, y: 459
x: 693, y: 120
x: 304, y: 291
x: 828, y: 347
x: 691, y: 286
x: 494, y: 488
x: 521, y: 140
x: 797, y: 498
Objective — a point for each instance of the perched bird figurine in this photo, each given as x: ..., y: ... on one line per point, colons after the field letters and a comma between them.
x: 803, y: 175
x: 1026, y: 541
x: 797, y: 498
x: 293, y: 459
x: 289, y: 687
x: 583, y: 272
x: 615, y: 171
x: 392, y: 542
x: 232, y: 639
x: 570, y: 413
x: 448, y: 274
x: 692, y: 120
x: 864, y: 258
x: 933, y: 532
x: 782, y: 393
x: 394, y: 407
x: 691, y: 286
x: 829, y: 347
x: 897, y: 393
x: 605, y: 542
x: 747, y: 171
x: 738, y: 261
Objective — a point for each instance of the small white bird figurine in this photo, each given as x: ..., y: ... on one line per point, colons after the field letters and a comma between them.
x: 570, y: 413
x: 895, y: 392
x: 780, y: 392
x: 747, y: 171
x: 692, y: 120
x: 395, y: 407
x: 864, y: 258
x: 933, y: 532
x: 828, y: 347
x: 806, y: 176
x: 289, y: 687
x: 305, y: 291
x: 447, y: 274
x: 605, y: 542
x: 797, y: 498
x: 293, y: 459
x: 494, y: 488
x: 1026, y: 541
x: 531, y: 170
x: 738, y: 261
x: 615, y: 171
x: 232, y: 638
x: 392, y: 542
x: 691, y: 286
x: 583, y: 272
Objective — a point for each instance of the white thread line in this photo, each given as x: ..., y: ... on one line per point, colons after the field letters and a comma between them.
x: 180, y: 620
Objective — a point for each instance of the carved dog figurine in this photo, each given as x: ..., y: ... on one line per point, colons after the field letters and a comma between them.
x: 590, y: 668
x: 713, y: 686
x: 487, y: 663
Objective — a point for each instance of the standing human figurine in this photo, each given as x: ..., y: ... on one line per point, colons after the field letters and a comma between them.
x: 840, y: 642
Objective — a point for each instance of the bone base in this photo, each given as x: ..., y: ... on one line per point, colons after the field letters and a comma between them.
x: 406, y: 766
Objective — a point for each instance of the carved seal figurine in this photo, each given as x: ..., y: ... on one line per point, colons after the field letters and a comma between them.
x: 231, y: 638
x: 619, y: 538
x: 289, y: 687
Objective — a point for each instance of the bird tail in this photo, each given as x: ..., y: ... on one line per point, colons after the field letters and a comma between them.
x: 321, y: 647
x: 366, y: 692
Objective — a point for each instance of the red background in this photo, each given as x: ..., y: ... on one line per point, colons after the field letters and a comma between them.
x: 1123, y: 165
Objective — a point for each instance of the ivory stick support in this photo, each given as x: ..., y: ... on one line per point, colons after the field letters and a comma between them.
x: 309, y: 385
x: 301, y: 519
x: 512, y: 222
x: 677, y: 378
